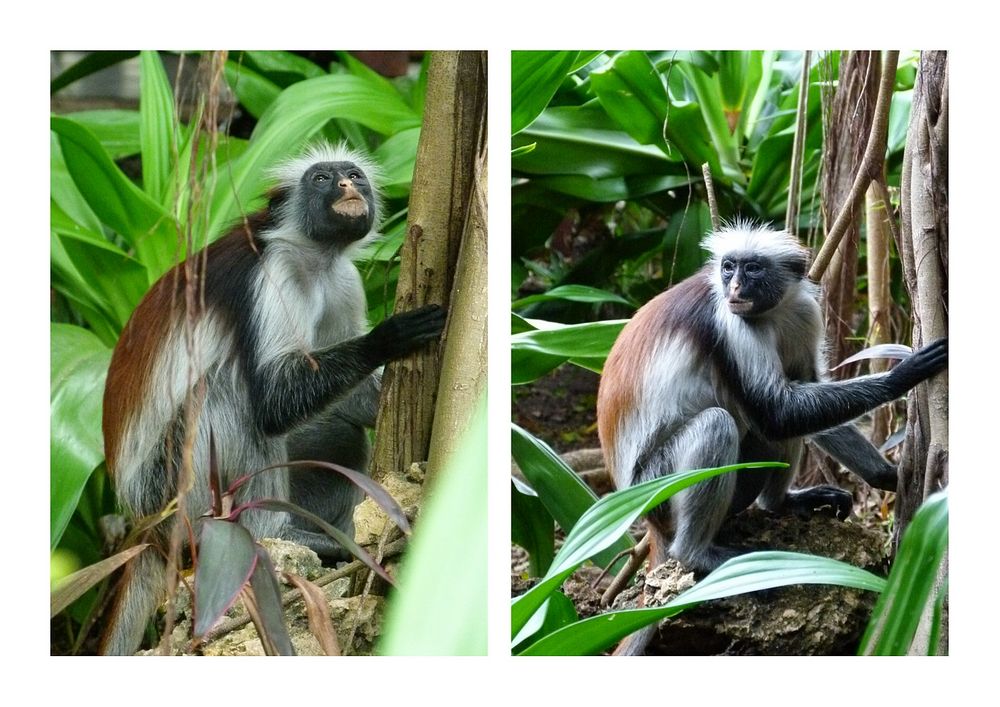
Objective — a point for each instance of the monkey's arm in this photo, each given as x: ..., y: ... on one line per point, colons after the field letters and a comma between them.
x: 849, y: 447
x: 785, y: 409
x: 294, y: 387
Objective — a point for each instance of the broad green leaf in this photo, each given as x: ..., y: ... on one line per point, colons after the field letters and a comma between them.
x: 156, y: 128
x: 725, y: 142
x: 536, y: 352
x: 255, y: 92
x: 590, y: 340
x: 603, y: 524
x: 535, y: 76
x: 573, y: 293
x: 79, y: 365
x: 584, y: 140
x: 448, y: 550
x: 911, y: 582
x: 741, y: 575
x: 560, y: 490
x: 64, y: 195
x: 612, y: 189
x: 227, y: 556
x: 557, y: 611
x: 116, y: 281
x: 120, y: 204
x: 116, y: 130
x: 396, y: 158
x: 630, y: 89
x: 531, y: 526
x: 291, y: 67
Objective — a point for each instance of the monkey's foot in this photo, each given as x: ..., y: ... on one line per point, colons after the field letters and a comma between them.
x: 819, y: 500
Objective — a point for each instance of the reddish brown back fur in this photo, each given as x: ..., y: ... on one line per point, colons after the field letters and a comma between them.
x: 141, y: 341
x: 622, y: 375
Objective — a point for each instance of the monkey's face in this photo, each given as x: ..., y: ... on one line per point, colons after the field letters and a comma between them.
x: 339, y: 202
x: 752, y: 283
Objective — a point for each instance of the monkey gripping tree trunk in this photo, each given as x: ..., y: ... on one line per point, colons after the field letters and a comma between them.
x: 450, y: 167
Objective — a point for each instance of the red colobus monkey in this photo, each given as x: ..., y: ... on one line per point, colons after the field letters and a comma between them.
x: 278, y: 361
x: 725, y: 367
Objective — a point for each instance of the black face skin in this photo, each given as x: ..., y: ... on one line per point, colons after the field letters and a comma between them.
x: 337, y: 202
x: 753, y: 283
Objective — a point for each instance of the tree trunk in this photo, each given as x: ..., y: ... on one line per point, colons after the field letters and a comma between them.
x: 451, y: 138
x: 852, y: 112
x: 923, y: 466
x: 924, y: 247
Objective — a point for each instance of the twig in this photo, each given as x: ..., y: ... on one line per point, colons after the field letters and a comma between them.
x: 636, y: 557
x: 798, y: 149
x: 871, y: 168
x: 713, y: 207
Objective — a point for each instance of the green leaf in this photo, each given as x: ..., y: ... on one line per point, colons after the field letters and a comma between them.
x: 115, y: 282
x: 531, y: 526
x: 156, y: 133
x: 557, y: 611
x: 448, y: 550
x: 534, y: 353
x: 604, y: 523
x: 910, y: 588
x: 396, y: 158
x: 255, y: 92
x: 79, y: 365
x: 743, y: 574
x: 591, y: 340
x: 535, y: 77
x: 560, y: 490
x: 121, y: 205
x: 573, y: 293
x: 630, y: 89
x: 584, y: 140
x: 116, y: 130
x: 227, y: 556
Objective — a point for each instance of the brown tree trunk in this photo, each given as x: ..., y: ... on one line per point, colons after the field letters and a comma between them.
x: 924, y: 250
x: 451, y: 139
x: 850, y: 120
x: 923, y: 466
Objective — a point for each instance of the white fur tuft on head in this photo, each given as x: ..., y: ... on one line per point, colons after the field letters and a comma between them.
x: 746, y: 236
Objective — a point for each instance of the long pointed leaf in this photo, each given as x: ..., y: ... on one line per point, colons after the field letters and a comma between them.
x: 746, y: 573
x: 227, y: 556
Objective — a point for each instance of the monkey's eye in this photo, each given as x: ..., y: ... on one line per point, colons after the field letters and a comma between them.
x: 320, y: 177
x: 355, y: 175
x: 727, y: 268
x: 753, y: 269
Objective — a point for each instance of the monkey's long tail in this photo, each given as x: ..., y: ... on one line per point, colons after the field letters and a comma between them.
x: 141, y: 589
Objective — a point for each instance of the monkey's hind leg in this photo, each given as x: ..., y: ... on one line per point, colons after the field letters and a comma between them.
x: 142, y: 588
x: 709, y: 439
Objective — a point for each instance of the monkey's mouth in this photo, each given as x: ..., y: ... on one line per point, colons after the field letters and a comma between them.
x: 353, y: 206
x: 740, y: 306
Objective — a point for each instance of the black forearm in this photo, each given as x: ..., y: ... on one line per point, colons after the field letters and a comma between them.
x: 808, y: 408
x: 296, y: 387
